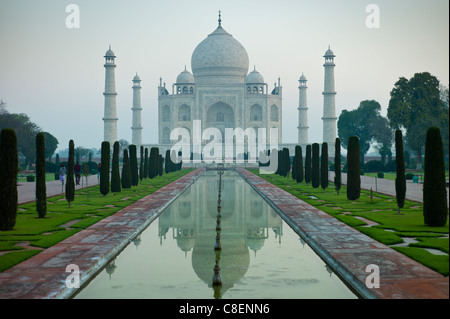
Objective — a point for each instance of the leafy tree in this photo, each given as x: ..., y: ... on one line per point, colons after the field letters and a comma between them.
x: 133, y: 165
x: 308, y: 164
x: 324, y: 166
x: 383, y: 137
x: 337, y: 165
x: 362, y: 123
x: 8, y: 179
x: 435, y: 209
x: 414, y: 106
x: 315, y: 171
x: 353, y: 173
x: 41, y: 190
x: 115, y: 170
x: 51, y: 144
x: 70, y: 184
x: 126, y: 171
x: 400, y: 179
x: 104, y: 168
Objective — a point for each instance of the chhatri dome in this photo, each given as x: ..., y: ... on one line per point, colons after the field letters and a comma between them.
x: 185, y: 77
x: 219, y: 57
x: 254, y: 77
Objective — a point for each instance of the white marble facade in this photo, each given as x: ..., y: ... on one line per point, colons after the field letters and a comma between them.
x: 220, y: 92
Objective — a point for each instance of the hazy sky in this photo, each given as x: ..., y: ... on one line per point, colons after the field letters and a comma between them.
x: 56, y: 75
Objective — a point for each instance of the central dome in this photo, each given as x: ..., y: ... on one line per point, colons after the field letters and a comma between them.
x: 219, y: 58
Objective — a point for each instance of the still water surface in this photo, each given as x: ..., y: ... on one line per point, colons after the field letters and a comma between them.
x: 174, y: 258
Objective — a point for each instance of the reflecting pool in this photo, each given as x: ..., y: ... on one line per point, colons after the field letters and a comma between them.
x: 175, y: 257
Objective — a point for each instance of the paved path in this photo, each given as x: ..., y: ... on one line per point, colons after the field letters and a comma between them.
x: 26, y: 191
x: 349, y: 252
x: 414, y: 191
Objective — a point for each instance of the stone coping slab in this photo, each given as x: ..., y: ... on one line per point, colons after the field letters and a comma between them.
x: 349, y: 251
x: 44, y: 275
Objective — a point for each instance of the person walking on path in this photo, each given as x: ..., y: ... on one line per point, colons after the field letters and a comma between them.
x: 62, y: 174
x: 77, y: 173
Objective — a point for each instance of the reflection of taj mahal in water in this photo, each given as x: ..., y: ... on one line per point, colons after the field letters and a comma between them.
x: 246, y: 221
x: 221, y: 94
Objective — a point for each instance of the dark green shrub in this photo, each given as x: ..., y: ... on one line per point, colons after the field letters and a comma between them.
x: 353, y: 175
x: 308, y: 164
x: 30, y: 178
x: 153, y: 167
x: 361, y: 171
x: 51, y: 167
x: 380, y: 175
x: 160, y: 165
x: 337, y: 165
x: 287, y: 161
x: 146, y: 163
x: 115, y: 170
x: 104, y: 168
x: 324, y: 167
x: 434, y: 189
x: 41, y: 189
x: 373, y: 166
x: 400, y: 181
x: 409, y: 176
x: 300, y: 173
x: 70, y: 183
x: 133, y: 165
x: 141, y: 164
x: 9, y: 166
x: 167, y: 162
x: 126, y: 171
x: 391, y: 166
x: 315, y: 169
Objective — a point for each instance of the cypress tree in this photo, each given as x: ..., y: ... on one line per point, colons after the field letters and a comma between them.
x: 167, y: 162
x: 337, y: 165
x: 160, y: 165
x: 41, y: 189
x: 315, y: 166
x: 8, y: 179
x: 115, y: 170
x: 57, y: 160
x: 153, y: 163
x: 141, y: 164
x: 287, y: 161
x: 295, y: 163
x: 324, y: 166
x: 126, y: 171
x: 146, y: 163
x: 300, y: 174
x: 353, y: 174
x: 104, y: 168
x: 308, y: 164
x: 434, y: 189
x: 133, y: 165
x: 70, y: 184
x: 400, y: 179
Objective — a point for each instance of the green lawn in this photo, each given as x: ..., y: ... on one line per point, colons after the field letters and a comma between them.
x: 381, y: 209
x: 88, y: 208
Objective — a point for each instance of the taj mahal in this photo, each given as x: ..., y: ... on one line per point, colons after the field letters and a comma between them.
x: 220, y: 93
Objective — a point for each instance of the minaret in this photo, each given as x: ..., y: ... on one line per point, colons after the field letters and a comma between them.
x: 136, y: 127
x: 302, y: 112
x: 329, y: 108
x: 110, y: 119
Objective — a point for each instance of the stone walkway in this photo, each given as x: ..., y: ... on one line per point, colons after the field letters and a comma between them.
x: 349, y: 252
x: 414, y: 191
x: 44, y: 275
x: 26, y: 191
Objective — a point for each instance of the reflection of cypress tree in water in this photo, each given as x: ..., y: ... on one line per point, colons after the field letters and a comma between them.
x: 217, y: 280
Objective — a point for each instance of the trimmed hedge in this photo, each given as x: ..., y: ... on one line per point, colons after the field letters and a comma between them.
x: 353, y: 175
